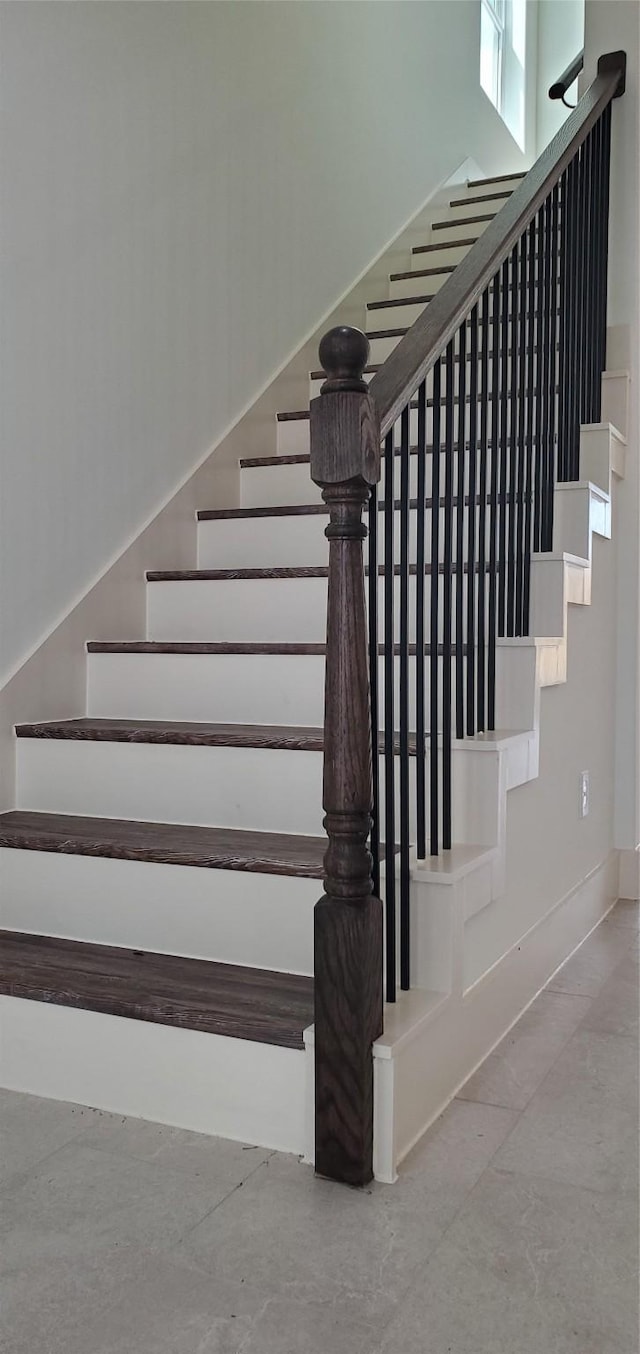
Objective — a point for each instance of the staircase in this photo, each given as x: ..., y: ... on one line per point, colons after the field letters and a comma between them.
x: 162, y: 866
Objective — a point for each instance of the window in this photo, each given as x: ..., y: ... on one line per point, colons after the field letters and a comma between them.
x: 491, y: 48
x: 502, y: 60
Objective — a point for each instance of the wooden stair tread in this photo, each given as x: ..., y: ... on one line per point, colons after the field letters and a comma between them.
x: 482, y: 197
x: 463, y: 221
x: 147, y: 646
x: 494, y: 178
x: 194, y: 994
x: 422, y: 272
x: 444, y: 244
x: 281, y: 510
x: 286, y: 510
x: 401, y: 301
x: 282, y: 737
x: 366, y: 371
x: 286, y: 572
x: 214, y: 848
x: 177, y: 732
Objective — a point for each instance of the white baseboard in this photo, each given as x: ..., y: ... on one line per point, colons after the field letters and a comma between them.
x: 231, y: 1088
x: 423, y: 1065
x: 629, y: 875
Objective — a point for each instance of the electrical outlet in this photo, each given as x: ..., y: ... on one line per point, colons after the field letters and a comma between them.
x: 584, y: 794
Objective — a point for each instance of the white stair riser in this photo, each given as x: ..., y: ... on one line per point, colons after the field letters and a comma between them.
x: 264, y: 790
x: 238, y: 688
x: 277, y: 485
x: 228, y: 688
x: 264, y: 610
x: 483, y: 190
x: 316, y: 384
x: 282, y: 542
x: 232, y: 916
x: 210, y: 1083
x: 444, y: 253
x: 285, y: 485
x: 415, y: 286
x: 456, y: 230
x: 263, y: 542
x: 241, y: 610
x: 257, y: 789
x: 294, y: 439
x: 393, y: 317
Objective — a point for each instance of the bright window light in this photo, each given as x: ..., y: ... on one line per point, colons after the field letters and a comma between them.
x: 503, y: 26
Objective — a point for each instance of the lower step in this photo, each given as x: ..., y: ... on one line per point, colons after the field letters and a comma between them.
x: 192, y: 994
x: 243, y: 898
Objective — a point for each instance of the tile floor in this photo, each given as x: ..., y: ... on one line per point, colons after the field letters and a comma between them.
x: 513, y: 1228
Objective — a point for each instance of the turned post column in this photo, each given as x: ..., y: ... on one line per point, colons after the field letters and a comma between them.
x: 345, y: 462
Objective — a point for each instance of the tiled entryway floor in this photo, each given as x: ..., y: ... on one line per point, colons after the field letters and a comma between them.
x: 513, y: 1228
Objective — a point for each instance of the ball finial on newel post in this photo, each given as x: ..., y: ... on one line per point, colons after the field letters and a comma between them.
x: 344, y: 353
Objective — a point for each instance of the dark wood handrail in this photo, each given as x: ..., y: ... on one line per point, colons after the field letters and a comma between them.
x: 415, y: 355
x: 559, y: 89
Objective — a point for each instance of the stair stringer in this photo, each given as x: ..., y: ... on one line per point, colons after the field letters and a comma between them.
x: 438, y: 1032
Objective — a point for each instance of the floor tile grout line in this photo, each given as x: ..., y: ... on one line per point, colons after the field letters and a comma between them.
x: 228, y: 1195
x: 520, y: 1110
x: 10, y: 1182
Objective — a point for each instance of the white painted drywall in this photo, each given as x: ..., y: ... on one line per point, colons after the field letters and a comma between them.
x: 187, y: 188
x: 612, y: 25
x: 551, y: 849
x: 560, y: 38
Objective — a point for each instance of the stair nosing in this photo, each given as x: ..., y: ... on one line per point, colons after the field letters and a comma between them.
x: 282, y: 574
x: 496, y: 178
x: 261, y: 1005
x: 189, y: 648
x: 464, y: 221
x: 290, y: 738
x: 444, y: 244
x: 401, y: 301
x: 481, y: 197
x: 115, y: 839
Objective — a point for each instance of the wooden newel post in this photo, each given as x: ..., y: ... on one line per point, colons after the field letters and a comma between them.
x: 345, y: 462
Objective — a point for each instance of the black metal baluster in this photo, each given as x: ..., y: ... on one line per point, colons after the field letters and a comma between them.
x: 550, y: 244
x: 504, y: 444
x: 604, y: 250
x: 459, y: 561
x: 492, y: 628
x: 591, y: 355
x: 581, y: 284
x: 447, y: 589
x: 421, y: 810
x: 596, y: 193
x: 523, y: 359
x: 471, y: 524
x: 573, y: 319
x: 482, y: 510
x: 552, y: 404
x: 584, y: 338
x: 373, y: 686
x: 405, y: 877
x: 514, y: 449
x: 433, y: 618
x: 565, y: 246
x: 532, y: 426
x: 542, y: 381
x: 389, y: 720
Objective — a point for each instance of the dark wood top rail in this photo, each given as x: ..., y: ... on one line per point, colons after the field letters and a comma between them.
x: 559, y: 89
x: 415, y: 355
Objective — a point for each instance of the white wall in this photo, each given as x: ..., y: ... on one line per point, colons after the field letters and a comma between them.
x: 612, y: 25
x: 187, y: 188
x: 560, y: 38
x: 551, y: 850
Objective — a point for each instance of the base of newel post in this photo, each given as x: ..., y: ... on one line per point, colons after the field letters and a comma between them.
x: 348, y: 1018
